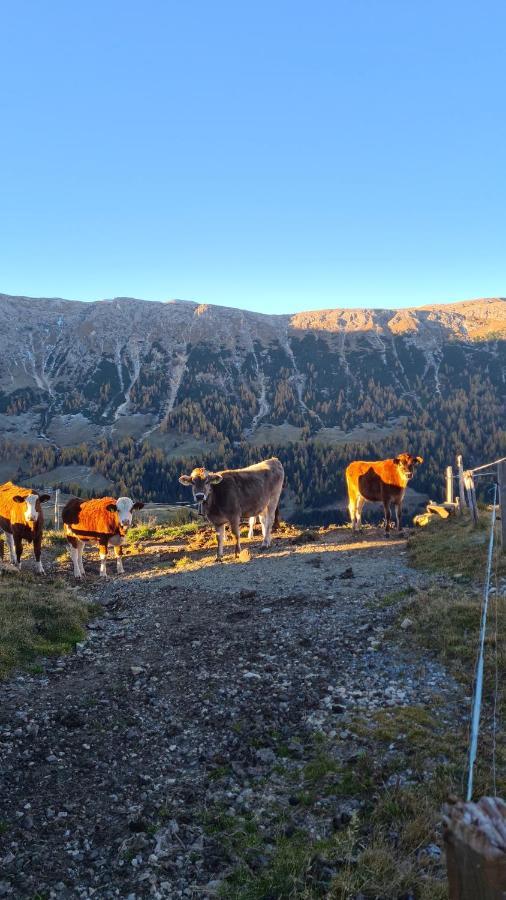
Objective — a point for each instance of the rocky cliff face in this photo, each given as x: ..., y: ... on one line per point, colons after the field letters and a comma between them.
x: 72, y: 371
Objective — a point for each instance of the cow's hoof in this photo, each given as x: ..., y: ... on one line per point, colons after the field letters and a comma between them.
x: 219, y: 559
x: 387, y: 534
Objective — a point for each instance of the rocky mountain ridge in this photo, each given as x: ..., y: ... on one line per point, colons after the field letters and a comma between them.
x: 72, y: 370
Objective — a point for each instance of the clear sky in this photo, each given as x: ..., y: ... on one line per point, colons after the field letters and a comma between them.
x: 275, y: 156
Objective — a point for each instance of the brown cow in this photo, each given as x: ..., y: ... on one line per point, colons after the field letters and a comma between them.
x: 382, y: 481
x: 235, y: 494
x: 22, y: 519
x: 105, y: 521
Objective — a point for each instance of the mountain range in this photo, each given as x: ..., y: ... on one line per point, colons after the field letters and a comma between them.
x: 123, y: 394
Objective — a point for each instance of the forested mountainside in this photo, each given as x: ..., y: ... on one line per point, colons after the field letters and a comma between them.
x: 138, y: 390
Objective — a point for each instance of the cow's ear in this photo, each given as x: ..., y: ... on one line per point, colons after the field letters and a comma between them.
x: 185, y: 479
x: 19, y: 499
x: 111, y: 507
x: 397, y: 461
x: 215, y: 479
x: 44, y: 497
x: 419, y: 460
x: 138, y: 505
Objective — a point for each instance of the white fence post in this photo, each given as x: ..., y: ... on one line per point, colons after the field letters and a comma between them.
x: 449, y: 485
x: 57, y: 509
x: 471, y: 495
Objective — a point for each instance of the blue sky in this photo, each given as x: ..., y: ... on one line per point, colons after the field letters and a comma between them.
x: 273, y: 156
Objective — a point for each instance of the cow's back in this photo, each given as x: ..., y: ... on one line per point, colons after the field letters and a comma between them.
x: 246, y: 492
x: 374, y: 479
x: 89, y: 516
x: 9, y: 511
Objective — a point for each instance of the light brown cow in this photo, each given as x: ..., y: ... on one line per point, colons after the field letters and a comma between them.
x: 234, y: 494
x: 382, y: 481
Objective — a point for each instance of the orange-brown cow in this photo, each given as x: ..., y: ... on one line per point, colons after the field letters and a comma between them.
x: 21, y: 519
x: 382, y: 481
x: 105, y: 521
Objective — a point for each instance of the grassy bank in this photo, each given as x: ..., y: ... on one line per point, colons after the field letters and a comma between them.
x: 38, y: 617
x: 447, y: 617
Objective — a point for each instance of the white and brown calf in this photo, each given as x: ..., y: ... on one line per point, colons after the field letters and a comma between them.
x: 105, y: 521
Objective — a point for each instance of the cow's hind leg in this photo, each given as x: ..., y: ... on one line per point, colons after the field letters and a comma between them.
x: 103, y: 560
x: 220, y: 537
x: 388, y: 517
x: 359, y: 505
x: 118, y: 553
x: 18, y: 548
x: 251, y: 529
x: 74, y: 555
x: 235, y: 528
x: 398, y: 516
x: 267, y: 518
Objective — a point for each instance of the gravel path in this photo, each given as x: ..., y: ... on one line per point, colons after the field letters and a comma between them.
x: 177, y: 702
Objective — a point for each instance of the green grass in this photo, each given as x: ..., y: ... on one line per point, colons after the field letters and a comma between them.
x: 454, y: 546
x: 162, y: 533
x: 38, y: 617
x: 447, y: 622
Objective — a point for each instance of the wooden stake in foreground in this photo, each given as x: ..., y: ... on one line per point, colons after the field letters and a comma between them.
x: 475, y: 839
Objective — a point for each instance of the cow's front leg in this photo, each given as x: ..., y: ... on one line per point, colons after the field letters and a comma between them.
x: 103, y: 557
x: 235, y: 528
x: 12, y: 549
x: 251, y: 530
x: 220, y: 537
x: 74, y: 555
x: 80, y: 548
x: 37, y: 547
x: 118, y: 553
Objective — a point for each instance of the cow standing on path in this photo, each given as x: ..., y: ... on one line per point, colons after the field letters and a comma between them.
x: 235, y: 494
x: 105, y: 521
x: 22, y: 519
x: 383, y: 481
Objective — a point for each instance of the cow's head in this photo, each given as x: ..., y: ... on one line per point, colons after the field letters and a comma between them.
x: 201, y: 482
x: 124, y: 507
x: 407, y: 464
x: 32, y: 510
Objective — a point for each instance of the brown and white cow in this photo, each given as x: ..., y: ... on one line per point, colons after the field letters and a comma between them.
x: 382, y: 481
x: 235, y: 494
x: 105, y: 521
x: 22, y: 519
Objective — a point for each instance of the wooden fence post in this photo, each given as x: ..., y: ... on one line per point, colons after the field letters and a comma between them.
x: 449, y: 485
x: 471, y: 495
x: 462, y: 492
x: 475, y: 840
x: 501, y: 478
x: 57, y: 509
